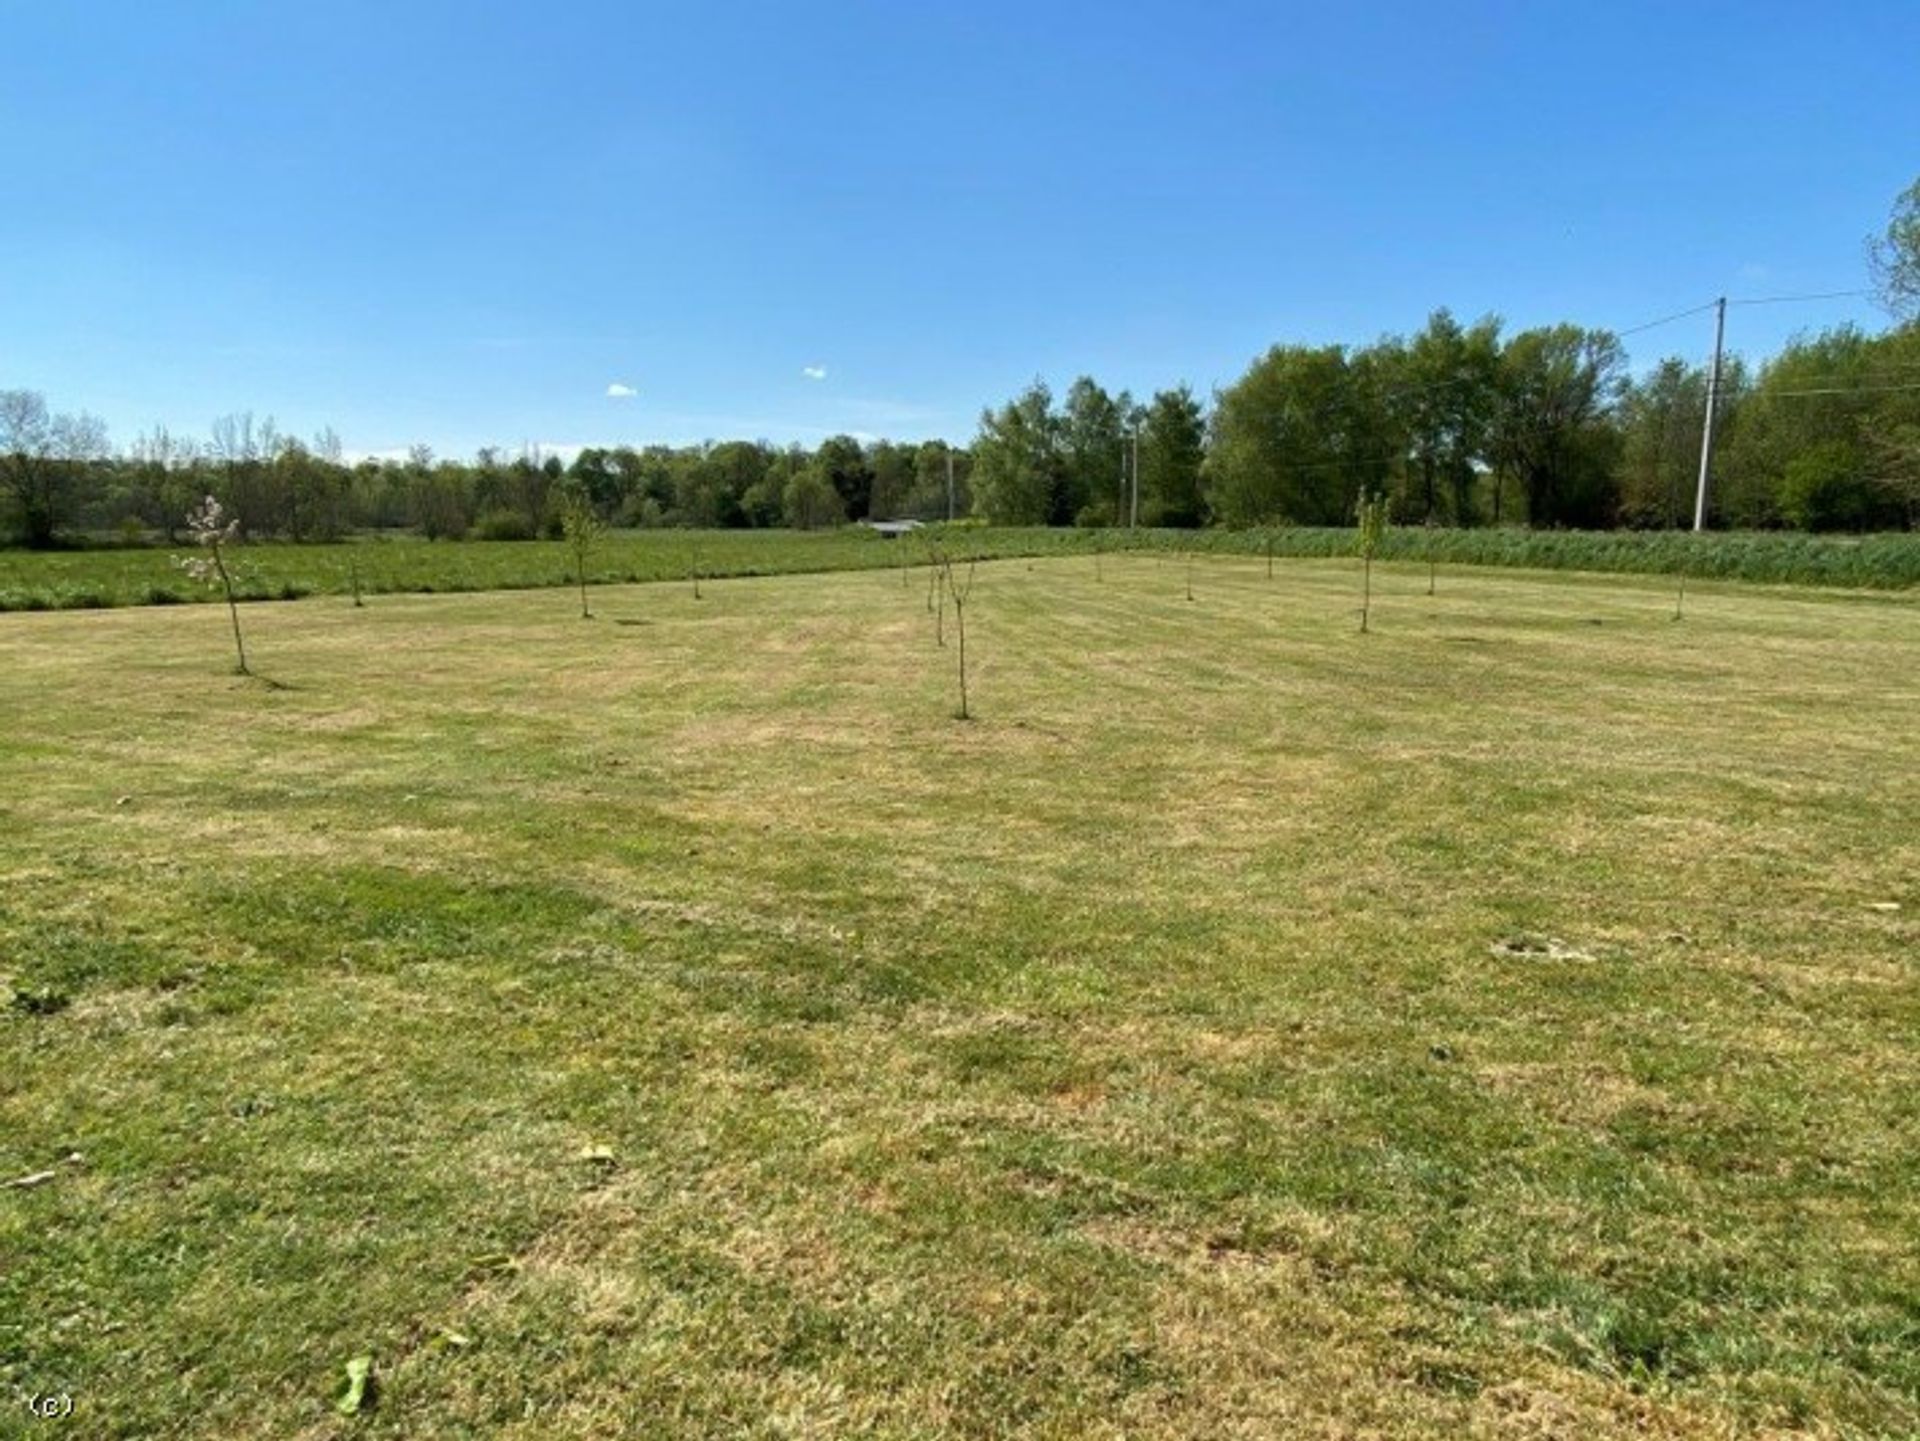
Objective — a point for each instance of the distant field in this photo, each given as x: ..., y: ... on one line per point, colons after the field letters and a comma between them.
x: 95, y: 578
x: 1504, y: 1024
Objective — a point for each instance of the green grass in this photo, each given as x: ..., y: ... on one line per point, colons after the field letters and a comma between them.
x: 92, y: 579
x: 676, y: 1024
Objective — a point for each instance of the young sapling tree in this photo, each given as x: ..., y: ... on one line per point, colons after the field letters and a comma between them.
x: 214, y: 533
x: 1433, y: 558
x: 580, y: 527
x: 942, y: 568
x: 959, y: 589
x: 1371, y: 519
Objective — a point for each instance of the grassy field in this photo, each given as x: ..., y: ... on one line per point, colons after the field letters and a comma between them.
x: 676, y: 1024
x: 91, y: 579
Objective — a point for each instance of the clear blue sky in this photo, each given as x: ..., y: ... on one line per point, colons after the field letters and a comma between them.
x: 461, y: 222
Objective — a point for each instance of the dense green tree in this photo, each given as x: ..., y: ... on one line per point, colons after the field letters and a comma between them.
x: 1894, y: 256
x: 1092, y: 434
x: 812, y: 501
x: 162, y: 484
x: 442, y: 497
x: 1016, y: 459
x: 45, y: 458
x: 843, y: 461
x: 602, y: 477
x: 1660, y: 419
x: 1552, y: 426
x: 1173, y: 439
x: 1444, y: 392
x: 935, y: 463
x: 1832, y: 401
x: 1298, y: 438
x: 891, y: 467
x: 763, y: 504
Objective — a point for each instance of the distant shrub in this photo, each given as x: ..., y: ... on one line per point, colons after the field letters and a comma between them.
x: 1827, y: 488
x: 641, y: 512
x: 502, y: 525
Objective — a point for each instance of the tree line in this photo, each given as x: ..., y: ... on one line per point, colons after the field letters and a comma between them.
x: 1461, y: 425
x: 61, y: 480
x: 1455, y: 424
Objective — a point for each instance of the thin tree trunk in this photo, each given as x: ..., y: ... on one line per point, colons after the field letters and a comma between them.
x: 960, y: 625
x: 233, y: 610
x: 1366, y: 591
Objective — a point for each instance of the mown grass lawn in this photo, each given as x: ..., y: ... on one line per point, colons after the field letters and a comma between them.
x: 390, y: 564
x: 676, y: 1024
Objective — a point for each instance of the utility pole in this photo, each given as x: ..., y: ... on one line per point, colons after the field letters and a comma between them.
x: 949, y: 483
x: 1134, y: 518
x: 1713, y: 404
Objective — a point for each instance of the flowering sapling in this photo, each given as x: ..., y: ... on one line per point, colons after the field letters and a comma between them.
x: 213, y: 532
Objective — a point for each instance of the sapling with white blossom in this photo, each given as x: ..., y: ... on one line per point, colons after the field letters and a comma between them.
x: 212, y: 530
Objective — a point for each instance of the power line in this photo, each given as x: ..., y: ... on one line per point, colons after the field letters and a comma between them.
x: 1794, y: 299
x: 1749, y: 300
x: 1668, y: 319
x: 1761, y: 391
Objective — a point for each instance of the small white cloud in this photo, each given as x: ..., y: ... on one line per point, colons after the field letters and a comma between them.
x: 617, y: 391
x: 814, y: 372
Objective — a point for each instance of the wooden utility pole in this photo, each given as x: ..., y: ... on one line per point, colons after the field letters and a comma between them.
x: 1713, y: 404
x: 1134, y: 518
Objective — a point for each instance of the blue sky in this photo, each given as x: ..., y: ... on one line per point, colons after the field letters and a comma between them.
x: 460, y: 223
